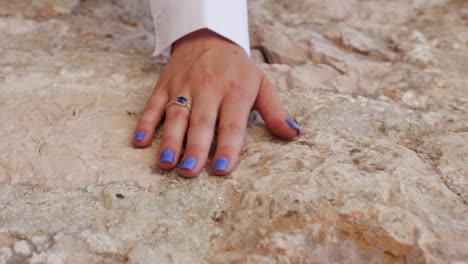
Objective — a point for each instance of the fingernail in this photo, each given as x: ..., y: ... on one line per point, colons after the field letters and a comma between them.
x: 221, y: 164
x: 188, y: 163
x: 140, y: 135
x: 167, y: 156
x: 295, y: 126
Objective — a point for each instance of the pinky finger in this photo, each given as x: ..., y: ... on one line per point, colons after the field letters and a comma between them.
x: 271, y: 109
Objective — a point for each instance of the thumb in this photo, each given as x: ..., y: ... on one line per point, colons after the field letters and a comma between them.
x: 268, y: 104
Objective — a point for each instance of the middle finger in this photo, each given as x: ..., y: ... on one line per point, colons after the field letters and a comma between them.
x: 200, y: 134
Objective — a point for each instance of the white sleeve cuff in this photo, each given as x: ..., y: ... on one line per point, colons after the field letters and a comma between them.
x: 174, y: 19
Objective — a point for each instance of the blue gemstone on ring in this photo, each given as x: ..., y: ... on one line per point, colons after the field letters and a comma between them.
x: 181, y: 100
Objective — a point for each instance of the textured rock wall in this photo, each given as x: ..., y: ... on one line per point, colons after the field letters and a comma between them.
x: 380, y: 174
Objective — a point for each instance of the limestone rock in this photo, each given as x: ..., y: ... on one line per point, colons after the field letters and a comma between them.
x: 56, y: 6
x: 23, y: 248
x: 6, y: 254
x: 378, y: 176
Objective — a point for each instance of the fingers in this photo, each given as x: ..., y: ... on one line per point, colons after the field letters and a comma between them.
x: 150, y: 118
x: 269, y: 106
x: 175, y: 127
x: 232, y: 102
x: 200, y: 134
x: 231, y: 133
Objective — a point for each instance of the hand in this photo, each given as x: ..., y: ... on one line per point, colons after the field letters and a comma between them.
x: 221, y: 83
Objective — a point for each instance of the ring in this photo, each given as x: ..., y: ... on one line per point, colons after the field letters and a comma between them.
x: 182, y: 101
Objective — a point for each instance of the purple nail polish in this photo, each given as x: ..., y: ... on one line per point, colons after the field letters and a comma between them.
x: 221, y: 164
x: 188, y: 163
x: 167, y: 156
x: 140, y: 135
x: 295, y: 126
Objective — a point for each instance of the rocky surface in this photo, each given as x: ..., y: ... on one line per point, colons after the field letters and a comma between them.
x: 379, y: 176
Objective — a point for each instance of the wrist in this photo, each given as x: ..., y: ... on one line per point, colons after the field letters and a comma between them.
x: 204, y: 38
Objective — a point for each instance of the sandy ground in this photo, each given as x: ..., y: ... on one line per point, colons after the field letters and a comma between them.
x: 379, y: 176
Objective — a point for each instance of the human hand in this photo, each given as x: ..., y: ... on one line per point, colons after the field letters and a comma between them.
x: 221, y: 83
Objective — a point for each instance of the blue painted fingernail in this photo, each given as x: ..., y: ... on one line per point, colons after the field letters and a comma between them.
x: 295, y: 126
x: 167, y: 156
x: 188, y: 163
x: 140, y: 135
x: 221, y: 164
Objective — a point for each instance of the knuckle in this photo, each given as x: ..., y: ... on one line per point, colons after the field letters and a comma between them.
x: 235, y: 85
x: 161, y: 87
x: 237, y: 90
x: 168, y: 140
x: 196, y: 149
x: 155, y: 101
x: 146, y: 118
x: 160, y: 94
x: 236, y: 128
x: 203, y: 120
x: 228, y: 150
x: 276, y: 122
x: 177, y: 112
x: 207, y: 78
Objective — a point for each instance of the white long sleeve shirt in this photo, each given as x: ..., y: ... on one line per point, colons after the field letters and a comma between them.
x: 174, y: 19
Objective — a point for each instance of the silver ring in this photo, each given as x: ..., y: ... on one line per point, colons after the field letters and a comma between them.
x: 181, y: 101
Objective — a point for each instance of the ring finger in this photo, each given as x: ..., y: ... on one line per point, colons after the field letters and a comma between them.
x: 175, y: 127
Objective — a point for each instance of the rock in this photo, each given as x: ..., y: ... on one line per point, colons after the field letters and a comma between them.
x: 99, y: 243
x: 52, y: 7
x: 6, y: 254
x: 257, y: 56
x: 321, y: 77
x: 413, y: 100
x: 351, y: 39
x: 41, y: 242
x: 379, y: 174
x: 23, y: 248
x: 464, y: 13
x: 279, y: 49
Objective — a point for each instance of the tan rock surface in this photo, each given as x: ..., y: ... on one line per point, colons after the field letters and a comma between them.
x: 379, y: 176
